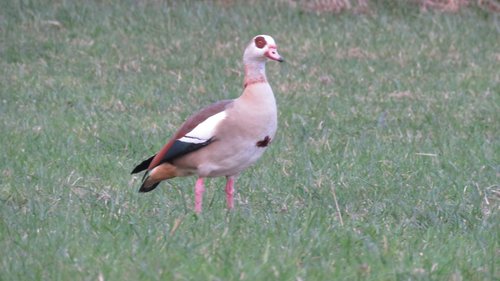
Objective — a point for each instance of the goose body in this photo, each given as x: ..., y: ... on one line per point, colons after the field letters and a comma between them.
x: 225, y: 138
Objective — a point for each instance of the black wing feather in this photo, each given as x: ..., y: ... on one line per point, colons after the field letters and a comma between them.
x: 143, y: 166
x: 148, y: 189
x: 180, y: 148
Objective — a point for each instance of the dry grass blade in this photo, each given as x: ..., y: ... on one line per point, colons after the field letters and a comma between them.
x: 337, y: 208
x: 400, y: 95
x: 177, y: 223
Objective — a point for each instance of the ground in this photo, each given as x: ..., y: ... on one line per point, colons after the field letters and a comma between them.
x: 385, y: 165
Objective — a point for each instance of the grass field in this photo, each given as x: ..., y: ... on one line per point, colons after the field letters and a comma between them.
x: 386, y: 164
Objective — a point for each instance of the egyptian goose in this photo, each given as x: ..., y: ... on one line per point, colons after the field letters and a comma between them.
x: 224, y: 138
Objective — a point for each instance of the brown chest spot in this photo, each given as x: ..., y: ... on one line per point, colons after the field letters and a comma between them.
x: 263, y: 143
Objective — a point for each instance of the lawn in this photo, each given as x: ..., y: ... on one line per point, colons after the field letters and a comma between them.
x: 386, y: 164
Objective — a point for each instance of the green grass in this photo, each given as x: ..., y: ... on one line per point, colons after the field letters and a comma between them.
x: 397, y: 114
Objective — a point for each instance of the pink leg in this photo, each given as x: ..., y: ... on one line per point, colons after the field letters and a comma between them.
x: 229, y: 192
x: 199, y: 188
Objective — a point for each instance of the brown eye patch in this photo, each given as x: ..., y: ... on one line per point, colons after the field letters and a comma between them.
x: 260, y: 42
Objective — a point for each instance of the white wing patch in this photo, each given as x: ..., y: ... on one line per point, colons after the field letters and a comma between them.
x: 205, y: 130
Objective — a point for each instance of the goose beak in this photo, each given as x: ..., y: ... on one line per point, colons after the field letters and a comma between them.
x: 273, y: 54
